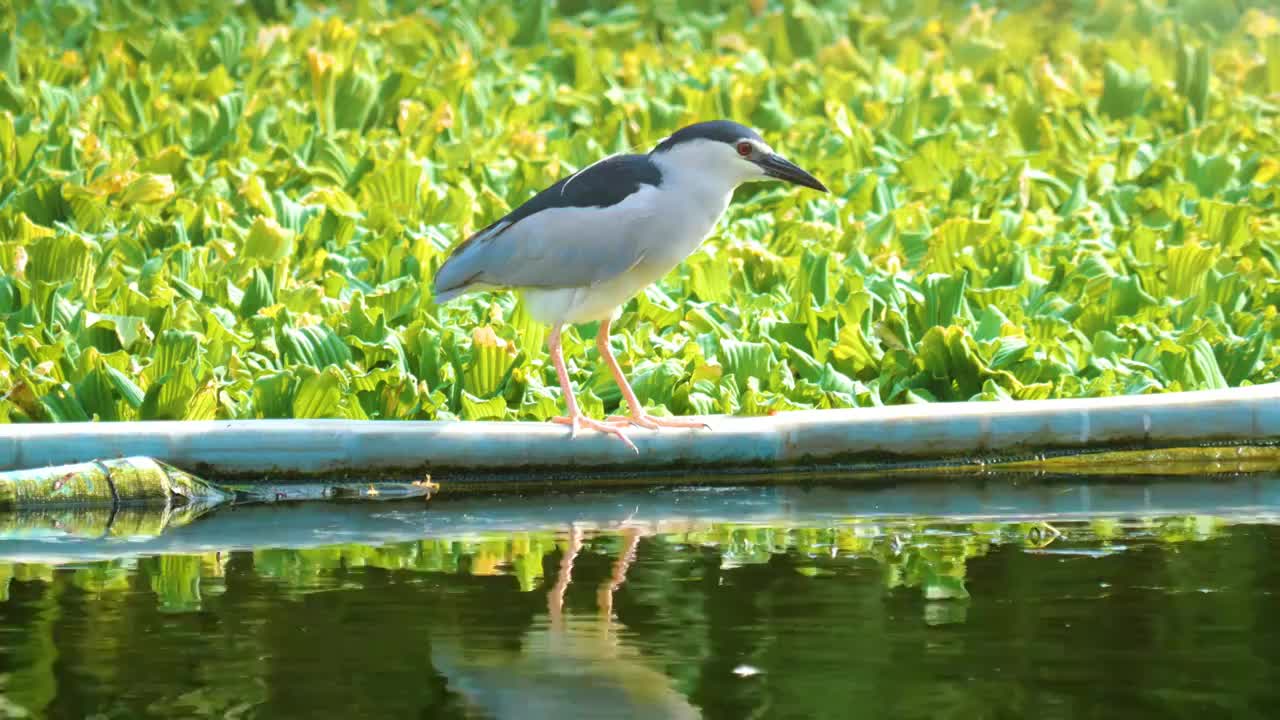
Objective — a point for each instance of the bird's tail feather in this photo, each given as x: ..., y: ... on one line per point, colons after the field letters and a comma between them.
x: 465, y: 265
x: 452, y: 278
x: 447, y: 295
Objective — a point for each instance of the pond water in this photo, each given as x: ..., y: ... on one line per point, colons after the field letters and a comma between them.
x: 991, y: 600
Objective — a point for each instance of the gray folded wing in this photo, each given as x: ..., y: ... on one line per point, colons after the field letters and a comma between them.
x: 585, y: 229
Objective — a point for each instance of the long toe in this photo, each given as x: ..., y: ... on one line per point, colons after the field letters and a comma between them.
x: 606, y: 427
x: 653, y: 422
x: 675, y: 422
x: 612, y: 429
x: 573, y: 421
x: 637, y: 420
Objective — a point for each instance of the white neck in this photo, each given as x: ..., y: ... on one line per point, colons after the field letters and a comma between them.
x: 704, y: 166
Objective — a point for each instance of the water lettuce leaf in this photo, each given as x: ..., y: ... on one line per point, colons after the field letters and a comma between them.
x: 238, y: 213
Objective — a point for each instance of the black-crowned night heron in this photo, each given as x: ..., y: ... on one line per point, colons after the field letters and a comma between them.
x: 581, y: 248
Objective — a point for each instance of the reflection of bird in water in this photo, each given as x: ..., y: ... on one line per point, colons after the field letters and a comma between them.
x: 566, y: 668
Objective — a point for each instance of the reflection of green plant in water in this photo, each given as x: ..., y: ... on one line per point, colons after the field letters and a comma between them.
x: 910, y: 558
x: 528, y: 551
x: 1189, y: 528
x: 175, y: 579
x: 746, y: 545
x: 697, y: 602
x: 27, y: 572
x: 103, y: 577
x: 1106, y: 528
x: 912, y: 553
x: 33, y: 656
x: 438, y: 556
x: 938, y: 570
x: 520, y: 553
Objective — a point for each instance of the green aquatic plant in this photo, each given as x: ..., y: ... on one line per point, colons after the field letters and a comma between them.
x: 233, y: 213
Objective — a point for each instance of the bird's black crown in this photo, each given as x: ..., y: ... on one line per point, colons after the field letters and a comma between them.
x: 725, y: 131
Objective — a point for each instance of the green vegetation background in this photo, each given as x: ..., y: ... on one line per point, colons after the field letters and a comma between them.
x: 218, y: 211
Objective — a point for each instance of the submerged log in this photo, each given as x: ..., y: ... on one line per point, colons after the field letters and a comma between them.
x: 115, y: 485
x: 121, y: 481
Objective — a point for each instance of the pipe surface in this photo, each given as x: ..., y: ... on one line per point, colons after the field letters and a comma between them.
x: 870, y: 437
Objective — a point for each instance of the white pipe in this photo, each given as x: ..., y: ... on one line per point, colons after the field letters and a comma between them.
x: 888, y: 435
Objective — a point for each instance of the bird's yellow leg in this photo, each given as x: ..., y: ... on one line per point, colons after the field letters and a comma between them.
x: 575, y: 419
x: 638, y: 415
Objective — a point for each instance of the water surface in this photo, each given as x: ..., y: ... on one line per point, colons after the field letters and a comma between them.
x: 994, y: 601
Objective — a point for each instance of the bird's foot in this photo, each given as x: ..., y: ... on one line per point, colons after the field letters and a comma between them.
x: 653, y: 422
x: 575, y: 422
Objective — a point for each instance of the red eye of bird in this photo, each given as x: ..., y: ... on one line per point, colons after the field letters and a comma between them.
x: 744, y: 148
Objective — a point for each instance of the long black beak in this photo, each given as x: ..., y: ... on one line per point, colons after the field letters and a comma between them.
x: 779, y: 167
